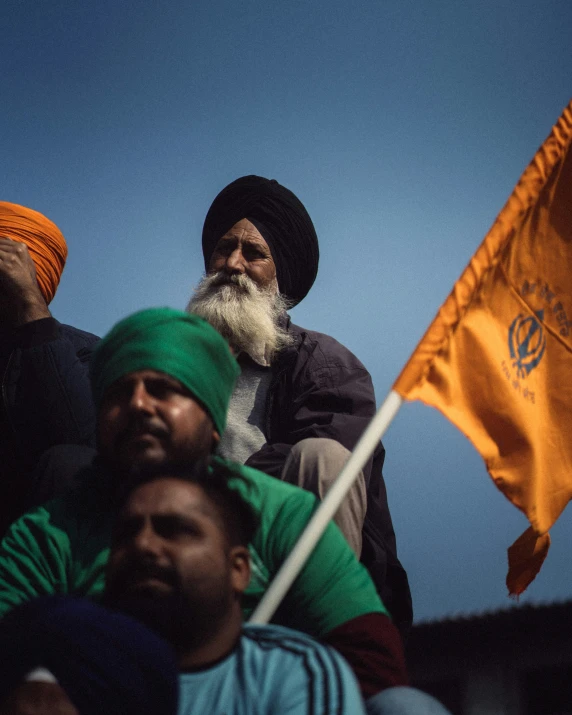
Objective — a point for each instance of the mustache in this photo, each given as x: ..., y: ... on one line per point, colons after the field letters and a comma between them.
x: 238, y: 280
x: 136, y: 570
x: 142, y: 425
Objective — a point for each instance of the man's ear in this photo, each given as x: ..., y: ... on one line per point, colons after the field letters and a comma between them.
x: 240, y: 568
x: 215, y: 440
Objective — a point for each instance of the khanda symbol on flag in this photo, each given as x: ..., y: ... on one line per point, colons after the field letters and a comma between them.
x: 526, y: 342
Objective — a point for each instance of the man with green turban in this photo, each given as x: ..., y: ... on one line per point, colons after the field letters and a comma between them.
x: 161, y: 346
x: 161, y: 382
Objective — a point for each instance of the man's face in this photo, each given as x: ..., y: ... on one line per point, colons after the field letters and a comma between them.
x: 148, y: 418
x: 171, y: 565
x: 243, y: 250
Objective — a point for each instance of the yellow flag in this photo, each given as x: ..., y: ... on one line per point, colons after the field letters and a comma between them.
x: 497, y: 359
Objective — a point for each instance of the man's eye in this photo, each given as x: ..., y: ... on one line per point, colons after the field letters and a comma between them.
x: 161, y: 389
x: 223, y: 249
x: 174, y: 532
x: 115, y: 392
x: 125, y: 531
x: 176, y: 529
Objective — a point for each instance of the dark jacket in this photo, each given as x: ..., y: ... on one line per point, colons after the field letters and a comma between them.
x: 320, y: 389
x: 46, y: 400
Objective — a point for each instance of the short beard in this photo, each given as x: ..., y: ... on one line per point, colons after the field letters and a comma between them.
x: 185, y: 620
x: 243, y: 313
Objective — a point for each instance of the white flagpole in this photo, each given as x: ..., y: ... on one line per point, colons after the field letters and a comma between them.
x: 317, y: 524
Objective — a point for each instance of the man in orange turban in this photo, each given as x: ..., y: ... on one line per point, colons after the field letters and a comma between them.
x: 33, y: 254
x: 45, y: 395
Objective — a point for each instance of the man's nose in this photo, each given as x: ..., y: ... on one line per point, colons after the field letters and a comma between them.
x: 141, y: 400
x: 146, y: 541
x: 235, y: 262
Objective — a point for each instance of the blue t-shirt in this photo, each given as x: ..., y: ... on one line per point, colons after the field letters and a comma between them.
x: 273, y: 670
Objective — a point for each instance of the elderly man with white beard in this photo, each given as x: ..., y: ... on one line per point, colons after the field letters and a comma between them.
x: 302, y: 400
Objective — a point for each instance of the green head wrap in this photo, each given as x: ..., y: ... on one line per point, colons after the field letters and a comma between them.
x: 178, y: 344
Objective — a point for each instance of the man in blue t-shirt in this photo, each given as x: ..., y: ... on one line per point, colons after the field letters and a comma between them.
x: 180, y: 563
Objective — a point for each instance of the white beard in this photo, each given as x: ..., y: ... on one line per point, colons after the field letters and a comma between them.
x: 243, y: 313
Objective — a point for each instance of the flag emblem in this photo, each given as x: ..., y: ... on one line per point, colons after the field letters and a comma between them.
x: 526, y: 342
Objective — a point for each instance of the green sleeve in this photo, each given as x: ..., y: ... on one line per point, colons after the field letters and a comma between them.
x: 61, y: 547
x: 333, y: 587
x: 34, y: 558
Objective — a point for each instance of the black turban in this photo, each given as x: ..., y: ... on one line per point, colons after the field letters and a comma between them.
x: 104, y: 661
x: 283, y: 222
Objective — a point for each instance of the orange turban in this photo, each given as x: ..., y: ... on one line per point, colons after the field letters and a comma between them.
x: 45, y: 243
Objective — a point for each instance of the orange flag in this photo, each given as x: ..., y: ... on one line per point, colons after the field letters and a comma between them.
x: 497, y: 359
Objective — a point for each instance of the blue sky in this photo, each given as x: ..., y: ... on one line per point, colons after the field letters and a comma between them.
x: 402, y: 125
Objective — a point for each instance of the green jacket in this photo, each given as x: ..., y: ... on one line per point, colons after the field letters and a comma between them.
x: 63, y: 546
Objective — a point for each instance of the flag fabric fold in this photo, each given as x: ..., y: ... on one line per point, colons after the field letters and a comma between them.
x: 497, y: 359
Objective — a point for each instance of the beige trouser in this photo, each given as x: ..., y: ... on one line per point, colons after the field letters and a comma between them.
x: 314, y: 464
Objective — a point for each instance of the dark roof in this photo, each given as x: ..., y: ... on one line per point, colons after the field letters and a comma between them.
x: 515, y: 613
x: 513, y: 627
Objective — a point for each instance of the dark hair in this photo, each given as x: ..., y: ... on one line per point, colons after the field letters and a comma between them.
x: 237, y: 516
